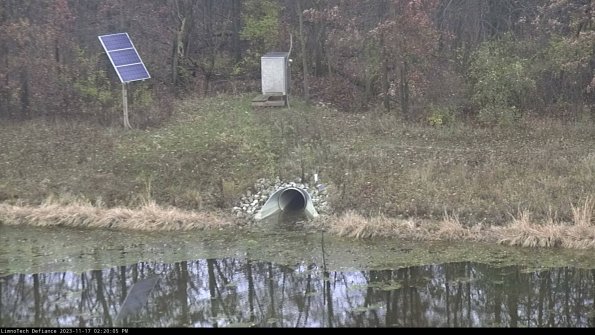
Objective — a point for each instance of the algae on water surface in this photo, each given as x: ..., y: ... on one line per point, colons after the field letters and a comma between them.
x: 26, y: 249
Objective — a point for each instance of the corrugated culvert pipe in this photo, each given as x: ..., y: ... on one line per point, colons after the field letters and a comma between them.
x: 288, y: 199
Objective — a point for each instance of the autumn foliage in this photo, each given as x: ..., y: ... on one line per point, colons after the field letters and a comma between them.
x: 415, y: 59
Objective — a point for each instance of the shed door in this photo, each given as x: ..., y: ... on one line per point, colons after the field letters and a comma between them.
x: 273, y: 75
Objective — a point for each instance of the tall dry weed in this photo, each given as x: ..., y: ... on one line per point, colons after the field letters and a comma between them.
x: 523, y: 232
x: 451, y: 229
x: 582, y: 216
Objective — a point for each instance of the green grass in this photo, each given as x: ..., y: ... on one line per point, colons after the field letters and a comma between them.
x: 213, y: 150
x: 209, y: 153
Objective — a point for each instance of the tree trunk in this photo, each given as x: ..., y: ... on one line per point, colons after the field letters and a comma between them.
x: 37, y: 299
x: 210, y: 53
x: 385, y: 80
x: 236, y: 10
x: 213, y: 291
x: 24, y: 98
x: 182, y: 269
x: 592, y: 314
x: 320, y: 48
x: 251, y: 292
x: 98, y: 274
x: 123, y: 286
x: 405, y: 89
x: 178, y: 51
x: 304, y: 53
x: 5, y: 93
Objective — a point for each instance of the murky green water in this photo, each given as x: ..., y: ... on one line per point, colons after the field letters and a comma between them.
x: 283, y: 277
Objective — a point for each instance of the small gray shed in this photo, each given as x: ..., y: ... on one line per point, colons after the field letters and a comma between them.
x: 275, y: 73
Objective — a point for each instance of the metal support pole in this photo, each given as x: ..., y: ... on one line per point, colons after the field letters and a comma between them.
x: 125, y: 106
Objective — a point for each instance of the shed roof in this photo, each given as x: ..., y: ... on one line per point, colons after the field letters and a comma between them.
x: 275, y: 54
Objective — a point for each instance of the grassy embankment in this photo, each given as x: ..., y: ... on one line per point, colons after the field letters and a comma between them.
x: 530, y: 184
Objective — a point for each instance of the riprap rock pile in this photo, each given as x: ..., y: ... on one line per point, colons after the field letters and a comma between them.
x: 253, y: 200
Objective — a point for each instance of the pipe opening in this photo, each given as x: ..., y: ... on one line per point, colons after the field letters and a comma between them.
x: 289, y: 200
x: 292, y: 200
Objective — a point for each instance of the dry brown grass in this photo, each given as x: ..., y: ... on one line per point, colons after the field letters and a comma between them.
x: 581, y: 235
x: 521, y: 231
x: 451, y: 229
x: 148, y: 217
x: 351, y: 224
x: 583, y: 215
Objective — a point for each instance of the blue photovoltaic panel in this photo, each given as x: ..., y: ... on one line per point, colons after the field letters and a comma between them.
x: 133, y: 72
x: 116, y: 41
x: 124, y: 58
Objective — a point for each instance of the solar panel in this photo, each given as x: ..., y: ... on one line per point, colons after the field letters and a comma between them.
x: 116, y: 41
x: 124, y: 57
x: 133, y: 72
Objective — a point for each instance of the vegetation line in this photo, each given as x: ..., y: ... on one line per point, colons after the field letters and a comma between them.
x: 521, y: 231
x: 148, y: 217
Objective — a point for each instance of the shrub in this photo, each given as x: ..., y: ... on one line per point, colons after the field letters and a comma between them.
x: 500, y: 80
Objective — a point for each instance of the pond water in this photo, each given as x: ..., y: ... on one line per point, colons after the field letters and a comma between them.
x: 282, y: 278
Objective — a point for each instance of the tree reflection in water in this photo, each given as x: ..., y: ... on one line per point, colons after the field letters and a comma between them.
x: 249, y: 293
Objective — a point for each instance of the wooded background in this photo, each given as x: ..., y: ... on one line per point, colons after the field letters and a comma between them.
x: 436, y: 60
